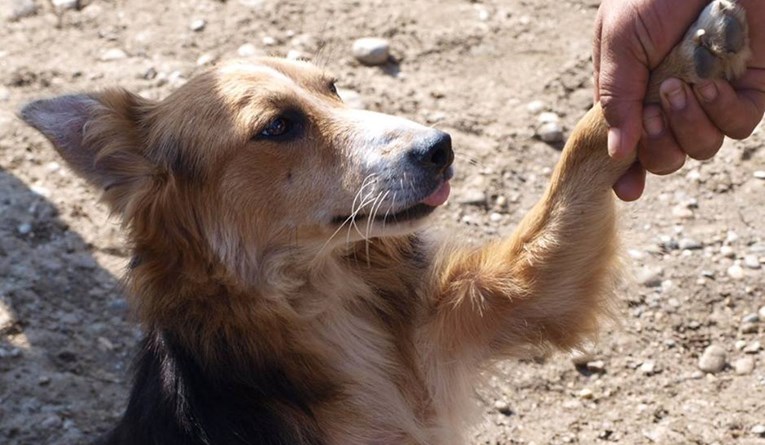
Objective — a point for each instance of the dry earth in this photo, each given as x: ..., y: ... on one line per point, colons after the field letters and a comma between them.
x: 696, y: 242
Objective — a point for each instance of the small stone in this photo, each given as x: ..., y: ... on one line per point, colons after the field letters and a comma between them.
x: 113, y: 54
x: 472, y: 197
x: 62, y: 5
x: 535, y: 107
x: 52, y: 421
x: 205, y: 59
x: 727, y: 252
x: 503, y: 407
x: 550, y: 132
x: 596, y: 366
x: 759, y: 174
x: 744, y: 366
x: 371, y: 51
x: 586, y: 393
x: 752, y: 262
x: 22, y: 9
x: 753, y: 347
x: 761, y: 313
x: 24, y: 228
x: 43, y: 381
x: 548, y: 117
x: 648, y: 368
x: 198, y: 25
x: 689, y: 244
x: 251, y: 3
x: 758, y: 430
x: 247, y: 50
x: 269, y: 41
x: 495, y: 217
x: 751, y: 318
x: 5, y: 94
x: 713, y: 359
x: 740, y: 344
x: 749, y: 328
x: 582, y: 358
x: 682, y: 212
x: 735, y: 272
x: 650, y: 276
x: 351, y: 98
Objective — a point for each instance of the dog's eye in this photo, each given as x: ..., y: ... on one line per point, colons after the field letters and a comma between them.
x: 277, y: 127
x: 333, y: 89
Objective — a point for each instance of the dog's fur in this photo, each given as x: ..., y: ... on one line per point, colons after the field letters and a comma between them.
x: 288, y: 290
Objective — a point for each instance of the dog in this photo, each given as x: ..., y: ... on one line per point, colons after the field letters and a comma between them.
x: 289, y: 289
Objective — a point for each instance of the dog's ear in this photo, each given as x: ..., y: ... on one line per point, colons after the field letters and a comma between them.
x: 100, y: 136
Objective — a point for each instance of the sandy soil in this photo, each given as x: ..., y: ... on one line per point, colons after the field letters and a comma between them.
x: 695, y: 243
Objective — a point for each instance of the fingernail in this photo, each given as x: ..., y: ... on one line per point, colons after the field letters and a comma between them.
x: 676, y: 97
x: 653, y: 122
x: 614, y: 142
x: 707, y: 90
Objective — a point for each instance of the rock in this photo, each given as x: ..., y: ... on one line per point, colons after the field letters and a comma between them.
x: 758, y: 430
x: 351, y: 98
x: 744, y: 365
x: 5, y: 94
x: 736, y: 272
x: 251, y: 3
x: 269, y: 41
x: 52, y: 421
x: 586, y: 394
x: 751, y: 318
x: 550, y: 132
x: 371, y: 50
x: 472, y: 197
x: 752, y: 262
x: 689, y: 244
x: 113, y: 54
x: 536, y: 107
x: 727, y: 252
x: 761, y: 313
x: 713, y: 359
x: 682, y: 212
x: 649, y: 276
x: 495, y: 217
x: 24, y: 228
x: 503, y: 407
x: 548, y: 117
x: 63, y: 5
x: 753, y: 347
x: 749, y: 328
x: 205, y: 59
x: 198, y: 25
x: 247, y: 50
x: 22, y: 9
x: 648, y: 368
x: 759, y: 174
x: 598, y: 366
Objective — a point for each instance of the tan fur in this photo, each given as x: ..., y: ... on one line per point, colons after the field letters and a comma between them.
x: 387, y: 332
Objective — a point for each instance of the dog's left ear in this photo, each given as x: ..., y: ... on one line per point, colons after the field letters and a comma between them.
x: 100, y: 136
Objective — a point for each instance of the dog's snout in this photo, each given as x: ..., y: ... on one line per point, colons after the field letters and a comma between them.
x: 435, y: 153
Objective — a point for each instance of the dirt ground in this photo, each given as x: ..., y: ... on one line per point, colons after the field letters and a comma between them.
x: 695, y: 244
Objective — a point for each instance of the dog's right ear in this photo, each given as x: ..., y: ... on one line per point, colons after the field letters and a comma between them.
x: 100, y: 136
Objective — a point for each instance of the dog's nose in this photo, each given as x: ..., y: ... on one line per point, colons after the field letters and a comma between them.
x: 435, y: 153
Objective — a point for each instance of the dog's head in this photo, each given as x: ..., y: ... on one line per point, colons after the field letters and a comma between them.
x: 251, y: 155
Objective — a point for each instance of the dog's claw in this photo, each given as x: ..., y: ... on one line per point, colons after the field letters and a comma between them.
x: 704, y: 62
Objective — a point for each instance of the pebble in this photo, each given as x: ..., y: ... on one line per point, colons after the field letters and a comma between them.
x: 269, y: 41
x: 753, y: 347
x: 198, y: 25
x: 113, y: 54
x: 650, y: 276
x: 52, y: 421
x: 62, y: 5
x: 550, y: 132
x: 205, y: 59
x: 548, y: 117
x: 536, y: 107
x: 759, y: 174
x: 586, y: 393
x: 761, y: 313
x: 598, y: 366
x: 371, y: 50
x: 24, y: 228
x: 472, y: 197
x: 752, y: 262
x: 351, y: 98
x: 247, y: 50
x: 689, y: 244
x: 749, y: 328
x: 751, y: 318
x: 758, y: 430
x: 5, y: 94
x: 495, y: 217
x: 713, y: 359
x: 683, y: 212
x: 22, y: 9
x: 502, y: 407
x: 648, y: 368
x: 736, y: 272
x: 744, y: 365
x: 727, y: 252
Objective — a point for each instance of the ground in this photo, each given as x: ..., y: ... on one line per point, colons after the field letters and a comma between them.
x: 694, y: 244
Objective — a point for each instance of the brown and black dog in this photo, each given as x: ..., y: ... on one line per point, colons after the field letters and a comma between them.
x: 282, y: 273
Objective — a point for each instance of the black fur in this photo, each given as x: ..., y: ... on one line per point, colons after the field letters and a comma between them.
x: 175, y: 401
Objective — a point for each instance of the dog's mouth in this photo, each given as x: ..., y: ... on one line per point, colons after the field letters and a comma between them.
x: 420, y: 209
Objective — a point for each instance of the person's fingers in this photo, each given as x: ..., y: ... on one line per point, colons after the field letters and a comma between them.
x: 631, y: 185
x: 659, y: 152
x: 694, y: 132
x: 735, y: 113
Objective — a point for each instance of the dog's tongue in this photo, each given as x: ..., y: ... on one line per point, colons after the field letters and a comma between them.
x: 439, y: 196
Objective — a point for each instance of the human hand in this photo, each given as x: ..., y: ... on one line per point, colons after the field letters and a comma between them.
x: 633, y: 37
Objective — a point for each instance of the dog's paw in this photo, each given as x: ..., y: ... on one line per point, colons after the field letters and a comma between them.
x: 718, y: 42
